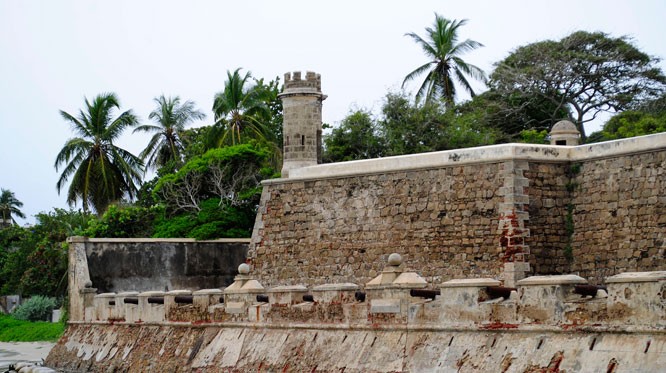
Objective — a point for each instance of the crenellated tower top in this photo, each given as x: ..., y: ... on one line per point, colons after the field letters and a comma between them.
x: 301, y: 126
x: 294, y: 81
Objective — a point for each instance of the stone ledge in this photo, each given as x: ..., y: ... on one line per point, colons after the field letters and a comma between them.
x: 483, y: 154
x: 77, y: 239
x: 637, y: 277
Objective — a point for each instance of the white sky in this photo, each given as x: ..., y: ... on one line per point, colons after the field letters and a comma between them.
x: 53, y: 53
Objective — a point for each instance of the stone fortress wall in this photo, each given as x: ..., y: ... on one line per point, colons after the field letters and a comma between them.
x: 517, y: 258
x: 398, y: 322
x: 595, y: 210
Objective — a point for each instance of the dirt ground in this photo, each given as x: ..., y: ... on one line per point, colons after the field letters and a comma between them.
x: 14, y: 352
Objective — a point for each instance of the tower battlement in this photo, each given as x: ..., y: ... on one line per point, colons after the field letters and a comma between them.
x: 294, y: 80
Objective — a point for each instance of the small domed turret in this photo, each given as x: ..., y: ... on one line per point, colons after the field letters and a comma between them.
x: 564, y: 132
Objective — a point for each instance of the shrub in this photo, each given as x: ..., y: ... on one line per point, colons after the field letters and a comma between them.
x: 37, y: 308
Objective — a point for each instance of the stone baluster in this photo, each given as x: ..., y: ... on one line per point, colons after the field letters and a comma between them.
x: 637, y: 298
x: 104, y: 310
x: 206, y: 301
x: 242, y: 293
x: 130, y: 310
x: 543, y: 298
x: 151, y: 312
x: 118, y: 311
x: 389, y: 293
x: 463, y: 301
x: 170, y: 305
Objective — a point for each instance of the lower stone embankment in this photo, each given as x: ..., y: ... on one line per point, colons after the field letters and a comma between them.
x: 396, y: 322
x: 339, y: 348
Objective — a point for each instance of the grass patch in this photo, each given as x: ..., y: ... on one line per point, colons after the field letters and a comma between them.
x: 12, y: 330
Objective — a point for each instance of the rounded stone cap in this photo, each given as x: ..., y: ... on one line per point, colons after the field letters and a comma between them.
x: 105, y: 295
x: 637, y: 277
x: 552, y: 280
x: 470, y: 283
x: 244, y: 269
x: 395, y: 259
x: 564, y: 127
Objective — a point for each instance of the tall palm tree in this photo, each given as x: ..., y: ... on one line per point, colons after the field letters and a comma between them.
x: 9, y: 206
x: 441, y: 46
x: 171, y: 117
x: 100, y: 171
x: 240, y: 109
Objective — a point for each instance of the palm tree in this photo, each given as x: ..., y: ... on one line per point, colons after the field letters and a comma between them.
x: 171, y: 117
x: 240, y: 110
x: 9, y: 206
x: 101, y: 172
x: 442, y: 48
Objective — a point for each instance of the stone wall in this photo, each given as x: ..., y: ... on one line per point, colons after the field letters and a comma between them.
x: 341, y: 229
x: 619, y: 211
x: 596, y: 210
x: 140, y: 265
x: 102, y: 265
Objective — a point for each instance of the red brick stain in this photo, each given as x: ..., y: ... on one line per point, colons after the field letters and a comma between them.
x: 511, y: 235
x: 553, y: 366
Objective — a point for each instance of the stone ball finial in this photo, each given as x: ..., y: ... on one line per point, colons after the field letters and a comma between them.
x: 87, y: 284
x: 395, y: 259
x: 244, y: 269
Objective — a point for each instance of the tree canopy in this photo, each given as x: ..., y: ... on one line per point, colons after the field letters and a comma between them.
x: 586, y: 72
x: 171, y: 117
x: 444, y: 66
x: 9, y: 207
x: 100, y: 171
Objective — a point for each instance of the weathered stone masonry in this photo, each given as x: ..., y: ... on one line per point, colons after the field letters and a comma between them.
x: 467, y: 212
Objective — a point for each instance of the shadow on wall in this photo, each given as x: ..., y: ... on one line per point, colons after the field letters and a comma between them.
x: 141, y: 265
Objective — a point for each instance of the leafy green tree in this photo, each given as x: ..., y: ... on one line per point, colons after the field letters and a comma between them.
x: 9, y: 207
x: 100, y: 171
x: 240, y: 110
x: 33, y: 261
x: 356, y: 138
x: 509, y: 115
x: 631, y: 124
x: 445, y: 64
x: 171, y: 118
x: 213, y: 195
x: 587, y: 73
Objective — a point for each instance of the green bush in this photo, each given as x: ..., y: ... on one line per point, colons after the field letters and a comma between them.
x: 37, y: 308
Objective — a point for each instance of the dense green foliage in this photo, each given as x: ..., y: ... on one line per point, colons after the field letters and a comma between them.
x: 12, y: 330
x: 9, y: 207
x: 444, y: 65
x: 36, y: 308
x: 404, y: 127
x: 100, y: 171
x: 586, y: 72
x: 165, y: 146
x: 33, y: 261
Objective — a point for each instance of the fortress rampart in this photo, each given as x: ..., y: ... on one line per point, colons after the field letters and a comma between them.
x: 395, y: 322
x: 517, y: 258
x: 594, y: 210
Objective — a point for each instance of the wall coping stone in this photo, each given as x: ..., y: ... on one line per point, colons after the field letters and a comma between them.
x: 249, y: 286
x: 482, y: 154
x: 151, y: 293
x: 106, y: 295
x: 287, y: 288
x: 208, y: 292
x: 178, y: 292
x: 470, y: 282
x: 127, y: 294
x: 334, y: 287
x: 552, y: 280
x: 76, y: 239
x: 628, y: 277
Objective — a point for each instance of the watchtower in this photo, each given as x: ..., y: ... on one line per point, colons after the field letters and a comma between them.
x: 564, y: 132
x: 301, y: 128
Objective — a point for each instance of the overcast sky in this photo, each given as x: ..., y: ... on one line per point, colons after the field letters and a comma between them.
x: 55, y: 53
